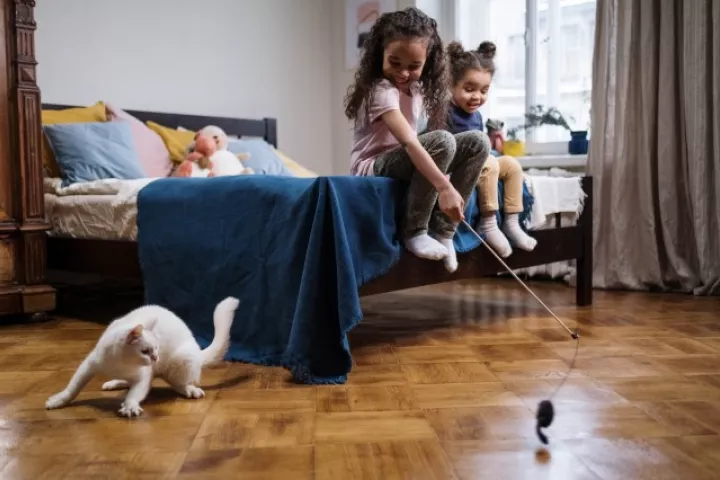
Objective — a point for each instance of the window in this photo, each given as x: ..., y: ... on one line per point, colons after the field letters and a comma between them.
x: 554, y: 70
x: 516, y: 60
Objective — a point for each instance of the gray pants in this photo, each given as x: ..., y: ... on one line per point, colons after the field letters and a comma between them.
x: 462, y: 155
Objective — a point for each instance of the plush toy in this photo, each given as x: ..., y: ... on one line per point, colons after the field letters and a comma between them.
x: 220, y: 138
x: 197, y: 163
x: 494, y: 131
x: 217, y: 134
x: 208, y: 157
x: 227, y: 163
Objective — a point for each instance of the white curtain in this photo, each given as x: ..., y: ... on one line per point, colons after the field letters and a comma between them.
x: 655, y: 147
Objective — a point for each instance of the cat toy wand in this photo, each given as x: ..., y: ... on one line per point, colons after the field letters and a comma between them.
x: 546, y: 411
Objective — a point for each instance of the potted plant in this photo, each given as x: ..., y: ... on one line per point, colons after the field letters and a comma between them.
x: 514, y: 146
x: 539, y: 116
x: 579, y: 143
x: 536, y: 117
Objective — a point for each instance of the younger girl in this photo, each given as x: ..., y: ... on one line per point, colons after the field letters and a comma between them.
x: 402, y: 69
x: 472, y: 73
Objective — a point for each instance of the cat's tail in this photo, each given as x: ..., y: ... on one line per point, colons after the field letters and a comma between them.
x: 222, y: 318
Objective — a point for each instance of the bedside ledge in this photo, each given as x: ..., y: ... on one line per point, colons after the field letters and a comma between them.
x: 549, y: 161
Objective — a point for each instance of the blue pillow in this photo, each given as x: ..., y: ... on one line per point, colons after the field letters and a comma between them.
x: 263, y: 158
x: 94, y: 151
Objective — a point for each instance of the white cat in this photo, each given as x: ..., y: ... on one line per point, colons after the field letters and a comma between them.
x: 149, y: 342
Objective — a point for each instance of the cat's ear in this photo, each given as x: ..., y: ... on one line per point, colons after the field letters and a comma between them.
x: 151, y: 324
x: 135, y: 334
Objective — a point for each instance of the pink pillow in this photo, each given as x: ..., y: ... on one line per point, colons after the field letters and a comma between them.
x: 154, y: 155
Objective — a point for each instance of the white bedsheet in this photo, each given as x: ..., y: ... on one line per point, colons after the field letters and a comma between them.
x: 101, y: 210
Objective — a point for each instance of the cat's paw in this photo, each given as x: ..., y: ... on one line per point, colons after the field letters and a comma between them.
x: 58, y: 400
x: 115, y: 385
x: 130, y: 410
x: 191, y: 391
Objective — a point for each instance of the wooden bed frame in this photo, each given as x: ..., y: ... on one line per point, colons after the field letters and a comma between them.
x: 24, y: 289
x: 120, y: 258
x: 27, y: 252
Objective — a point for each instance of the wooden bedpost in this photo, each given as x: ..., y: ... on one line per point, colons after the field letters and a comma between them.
x: 584, y: 292
x: 23, y: 288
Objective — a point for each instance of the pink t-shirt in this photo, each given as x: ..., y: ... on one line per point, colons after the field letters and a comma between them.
x: 372, y: 136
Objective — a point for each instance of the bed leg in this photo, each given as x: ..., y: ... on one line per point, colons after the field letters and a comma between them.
x: 584, y: 289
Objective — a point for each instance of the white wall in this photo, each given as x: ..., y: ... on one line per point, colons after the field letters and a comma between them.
x: 443, y: 11
x: 241, y: 58
x: 278, y: 58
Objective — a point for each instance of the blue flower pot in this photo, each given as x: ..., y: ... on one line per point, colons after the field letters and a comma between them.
x: 578, y: 144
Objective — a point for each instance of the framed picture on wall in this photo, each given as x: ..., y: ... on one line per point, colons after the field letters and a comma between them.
x: 360, y: 16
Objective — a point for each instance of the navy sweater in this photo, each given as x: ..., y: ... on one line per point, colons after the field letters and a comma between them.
x: 461, y: 121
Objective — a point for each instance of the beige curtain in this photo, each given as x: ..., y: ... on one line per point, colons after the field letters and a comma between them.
x: 655, y: 146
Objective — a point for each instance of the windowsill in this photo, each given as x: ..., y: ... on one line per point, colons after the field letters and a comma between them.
x: 554, y: 160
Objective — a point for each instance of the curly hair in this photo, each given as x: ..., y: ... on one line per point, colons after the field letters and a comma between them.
x: 461, y: 61
x: 408, y: 23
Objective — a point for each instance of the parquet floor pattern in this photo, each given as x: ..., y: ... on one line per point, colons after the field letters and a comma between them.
x: 445, y: 385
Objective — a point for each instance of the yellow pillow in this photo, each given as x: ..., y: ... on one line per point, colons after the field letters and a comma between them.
x: 296, y: 169
x: 176, y: 141
x: 93, y: 113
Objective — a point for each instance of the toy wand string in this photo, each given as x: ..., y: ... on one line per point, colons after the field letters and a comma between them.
x: 546, y: 411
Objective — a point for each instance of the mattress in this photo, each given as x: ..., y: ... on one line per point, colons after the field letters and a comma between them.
x: 99, y: 210
x: 107, y: 210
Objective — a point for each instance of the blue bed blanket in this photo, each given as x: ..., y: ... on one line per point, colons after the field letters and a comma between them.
x: 294, y: 251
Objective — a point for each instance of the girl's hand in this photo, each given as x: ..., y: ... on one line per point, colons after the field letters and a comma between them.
x: 451, y: 203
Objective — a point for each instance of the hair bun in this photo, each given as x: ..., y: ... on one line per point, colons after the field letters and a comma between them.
x: 487, y: 49
x: 455, y: 50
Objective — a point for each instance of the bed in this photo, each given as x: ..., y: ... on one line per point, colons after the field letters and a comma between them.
x: 95, y: 233
x: 298, y: 252
x: 292, y: 314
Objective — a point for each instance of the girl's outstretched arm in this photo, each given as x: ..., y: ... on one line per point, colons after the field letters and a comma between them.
x: 449, y: 200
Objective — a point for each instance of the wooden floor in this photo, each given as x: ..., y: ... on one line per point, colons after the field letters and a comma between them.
x: 445, y: 385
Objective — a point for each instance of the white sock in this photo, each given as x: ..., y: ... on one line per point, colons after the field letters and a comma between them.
x: 517, y: 236
x: 494, y: 237
x: 424, y: 246
x: 450, y: 261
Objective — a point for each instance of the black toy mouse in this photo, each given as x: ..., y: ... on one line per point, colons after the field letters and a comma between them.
x: 545, y: 415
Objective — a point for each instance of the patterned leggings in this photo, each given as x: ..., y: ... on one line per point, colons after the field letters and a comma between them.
x: 462, y: 155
